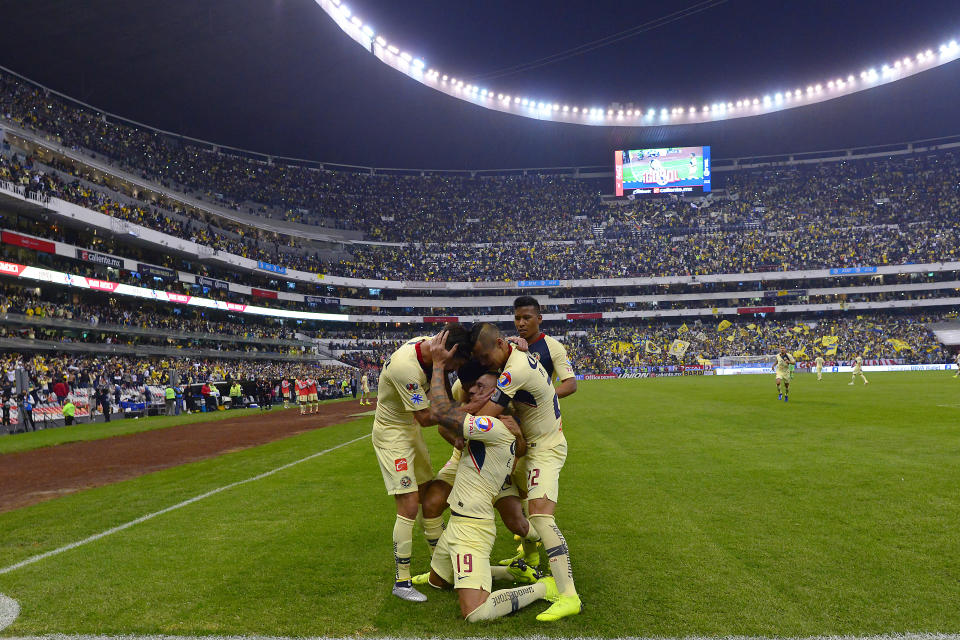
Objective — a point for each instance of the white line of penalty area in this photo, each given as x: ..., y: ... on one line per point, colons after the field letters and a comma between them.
x: 892, y: 636
x: 9, y: 609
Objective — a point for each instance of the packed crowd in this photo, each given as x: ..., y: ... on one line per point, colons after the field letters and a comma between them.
x: 879, y: 336
x: 54, y: 303
x: 876, y: 211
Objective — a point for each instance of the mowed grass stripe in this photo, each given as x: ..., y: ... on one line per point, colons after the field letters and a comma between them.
x: 692, y: 506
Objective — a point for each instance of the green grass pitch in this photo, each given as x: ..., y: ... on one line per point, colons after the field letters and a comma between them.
x: 633, y: 172
x: 692, y: 506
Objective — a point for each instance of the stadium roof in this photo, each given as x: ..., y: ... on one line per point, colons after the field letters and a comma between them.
x: 281, y: 77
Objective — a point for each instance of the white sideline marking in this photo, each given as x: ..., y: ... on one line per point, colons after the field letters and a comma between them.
x: 149, y: 516
x: 890, y: 636
x: 9, y: 610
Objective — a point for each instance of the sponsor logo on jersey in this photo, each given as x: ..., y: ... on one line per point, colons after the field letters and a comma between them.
x: 483, y: 423
x: 400, y: 464
x: 412, y: 386
x: 505, y: 379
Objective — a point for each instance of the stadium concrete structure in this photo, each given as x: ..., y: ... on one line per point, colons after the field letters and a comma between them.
x: 131, y: 258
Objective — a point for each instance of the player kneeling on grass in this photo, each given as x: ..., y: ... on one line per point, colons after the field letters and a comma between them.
x: 462, y: 556
x: 782, y: 369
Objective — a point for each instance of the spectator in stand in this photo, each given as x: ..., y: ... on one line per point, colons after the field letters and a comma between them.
x: 26, y: 412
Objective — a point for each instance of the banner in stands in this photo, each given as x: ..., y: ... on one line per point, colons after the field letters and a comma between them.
x: 99, y: 258
x: 785, y: 293
x: 321, y: 300
x: 748, y: 310
x: 213, y: 283
x: 584, y: 316
x: 441, y: 319
x: 82, y: 282
x: 160, y: 272
x: 27, y: 242
x: 733, y: 371
x: 597, y: 376
x: 263, y: 293
x: 538, y: 283
x: 850, y: 271
x: 266, y: 266
x: 594, y: 300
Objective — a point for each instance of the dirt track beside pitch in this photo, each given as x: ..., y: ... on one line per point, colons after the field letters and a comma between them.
x: 33, y: 476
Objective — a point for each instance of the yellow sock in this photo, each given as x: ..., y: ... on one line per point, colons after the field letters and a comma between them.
x: 402, y: 546
x: 556, y: 548
x: 506, y: 601
x: 432, y: 530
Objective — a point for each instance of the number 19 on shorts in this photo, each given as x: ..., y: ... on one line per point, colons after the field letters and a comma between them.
x: 465, y: 563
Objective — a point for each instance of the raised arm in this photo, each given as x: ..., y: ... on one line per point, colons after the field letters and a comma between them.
x: 445, y: 411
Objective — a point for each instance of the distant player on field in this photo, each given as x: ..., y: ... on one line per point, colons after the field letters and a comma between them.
x: 819, y: 363
x: 958, y: 365
x: 781, y: 368
x: 364, y: 389
x: 462, y: 557
x: 858, y: 371
x: 402, y: 409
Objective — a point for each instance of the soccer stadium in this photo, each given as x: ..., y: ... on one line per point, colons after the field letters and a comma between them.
x: 310, y: 308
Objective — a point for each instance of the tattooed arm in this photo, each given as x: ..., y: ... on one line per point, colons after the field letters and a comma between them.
x: 446, y: 412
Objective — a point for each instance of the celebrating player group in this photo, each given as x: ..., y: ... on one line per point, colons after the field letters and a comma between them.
x: 493, y: 399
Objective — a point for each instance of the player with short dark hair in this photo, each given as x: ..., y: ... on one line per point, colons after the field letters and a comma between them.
x: 525, y: 386
x: 402, y: 409
x: 462, y: 557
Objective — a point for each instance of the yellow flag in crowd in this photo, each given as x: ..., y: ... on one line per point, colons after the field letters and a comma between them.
x: 683, y: 329
x: 724, y: 324
x: 866, y: 350
x: 731, y: 337
x: 701, y: 360
x: 800, y: 353
x: 831, y: 350
x: 679, y: 348
x: 651, y: 348
x: 752, y: 327
x: 798, y: 329
x: 829, y: 340
x: 899, y: 345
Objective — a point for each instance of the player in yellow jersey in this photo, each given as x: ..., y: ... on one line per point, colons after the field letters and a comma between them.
x: 402, y: 409
x: 472, y: 390
x: 364, y: 389
x: 524, y: 385
x: 548, y: 351
x: 781, y: 368
x: 462, y: 557
x: 958, y: 366
x: 819, y: 363
x: 858, y: 371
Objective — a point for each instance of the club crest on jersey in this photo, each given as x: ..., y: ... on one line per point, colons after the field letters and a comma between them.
x: 483, y: 423
x: 505, y: 379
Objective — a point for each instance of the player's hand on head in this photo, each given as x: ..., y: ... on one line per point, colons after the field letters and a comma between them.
x: 438, y: 352
x: 519, y: 343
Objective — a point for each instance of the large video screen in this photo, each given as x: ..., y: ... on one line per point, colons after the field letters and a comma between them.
x: 656, y: 171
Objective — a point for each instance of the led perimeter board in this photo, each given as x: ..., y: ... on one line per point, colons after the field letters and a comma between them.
x: 656, y: 171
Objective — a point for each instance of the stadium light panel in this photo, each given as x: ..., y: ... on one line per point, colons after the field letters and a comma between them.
x: 892, y: 71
